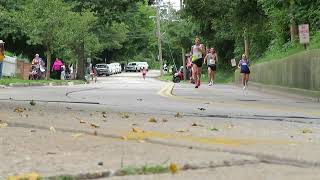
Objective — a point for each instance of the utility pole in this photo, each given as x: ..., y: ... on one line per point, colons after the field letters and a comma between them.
x: 159, y: 37
x: 183, y: 51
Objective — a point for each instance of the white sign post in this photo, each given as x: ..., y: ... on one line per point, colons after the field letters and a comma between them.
x: 233, y: 62
x: 304, y: 34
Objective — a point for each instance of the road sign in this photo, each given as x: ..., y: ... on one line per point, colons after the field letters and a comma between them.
x: 233, y: 62
x: 304, y: 34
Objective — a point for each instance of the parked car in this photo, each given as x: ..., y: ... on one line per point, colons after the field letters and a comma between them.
x: 102, y: 69
x: 117, y: 66
x: 132, y: 66
x: 112, y: 68
x: 142, y: 65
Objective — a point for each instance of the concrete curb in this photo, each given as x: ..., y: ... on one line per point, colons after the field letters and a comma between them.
x: 287, y: 91
x: 43, y: 84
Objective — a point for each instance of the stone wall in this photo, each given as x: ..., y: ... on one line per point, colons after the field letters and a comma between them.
x: 297, y: 71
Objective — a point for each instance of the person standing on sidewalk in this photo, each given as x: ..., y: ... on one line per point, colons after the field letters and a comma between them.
x: 2, y: 56
x: 244, y: 70
x: 211, y: 60
x: 197, y: 52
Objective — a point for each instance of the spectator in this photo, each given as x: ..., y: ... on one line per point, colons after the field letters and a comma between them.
x: 56, y: 68
x: 2, y: 56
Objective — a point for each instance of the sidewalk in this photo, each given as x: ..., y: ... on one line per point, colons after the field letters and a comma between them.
x: 56, y: 141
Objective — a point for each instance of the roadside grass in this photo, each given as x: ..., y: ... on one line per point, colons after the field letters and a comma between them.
x: 7, y: 81
x: 143, y: 170
x: 288, y: 50
x: 62, y: 177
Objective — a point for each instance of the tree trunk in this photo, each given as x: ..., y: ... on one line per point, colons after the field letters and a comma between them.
x: 81, y: 62
x: 48, y: 52
x: 184, y: 64
x: 246, y: 43
x: 293, y: 30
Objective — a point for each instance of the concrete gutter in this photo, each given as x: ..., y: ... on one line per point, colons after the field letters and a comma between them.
x: 287, y: 91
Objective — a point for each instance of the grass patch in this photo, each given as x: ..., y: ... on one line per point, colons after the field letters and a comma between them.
x: 144, y: 170
x: 166, y: 77
x: 289, y: 49
x: 7, y: 81
x: 62, y: 177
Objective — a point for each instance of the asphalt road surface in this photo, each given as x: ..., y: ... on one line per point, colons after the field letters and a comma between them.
x: 128, y: 92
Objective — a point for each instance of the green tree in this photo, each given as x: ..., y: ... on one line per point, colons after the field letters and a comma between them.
x: 41, y: 21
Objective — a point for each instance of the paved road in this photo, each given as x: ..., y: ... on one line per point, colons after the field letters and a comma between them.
x: 128, y: 92
x: 219, y: 127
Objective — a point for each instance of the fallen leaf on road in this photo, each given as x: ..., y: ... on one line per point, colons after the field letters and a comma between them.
x: 83, y: 122
x: 77, y: 135
x: 153, y: 120
x: 213, y: 129
x: 104, y: 112
x: 124, y: 138
x: 137, y: 130
x: 306, y: 131
x: 125, y: 116
x: 183, y: 130
x: 230, y: 126
x: 195, y: 124
x: 178, y: 115
x: 95, y: 125
x: 68, y: 108
x: 134, y: 124
x: 164, y: 120
x: 32, y: 130
x: 202, y: 109
x: 52, y: 129
x: 173, y: 168
x: 95, y: 133
x: 3, y: 125
x: 19, y: 110
x: 32, y: 103
x: 51, y: 153
x: 104, y: 116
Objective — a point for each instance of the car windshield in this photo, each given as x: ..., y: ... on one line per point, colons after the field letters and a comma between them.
x: 101, y: 66
x: 132, y: 64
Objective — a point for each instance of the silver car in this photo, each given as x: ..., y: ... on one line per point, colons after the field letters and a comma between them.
x: 102, y: 69
x: 132, y: 66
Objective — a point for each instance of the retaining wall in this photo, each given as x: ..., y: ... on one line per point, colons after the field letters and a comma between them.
x: 300, y: 71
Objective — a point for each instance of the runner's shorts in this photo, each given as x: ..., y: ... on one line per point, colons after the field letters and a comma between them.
x: 198, y: 62
x: 245, y: 69
x: 213, y: 67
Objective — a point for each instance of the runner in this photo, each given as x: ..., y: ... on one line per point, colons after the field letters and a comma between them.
x: 211, y: 59
x: 144, y: 73
x: 197, y: 52
x: 244, y: 70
